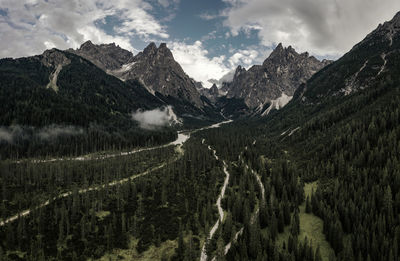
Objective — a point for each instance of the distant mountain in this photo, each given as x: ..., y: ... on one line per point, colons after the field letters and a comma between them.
x: 212, y: 93
x: 155, y: 67
x: 274, y: 82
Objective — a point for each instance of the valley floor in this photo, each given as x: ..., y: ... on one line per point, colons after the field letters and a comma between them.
x: 232, y: 203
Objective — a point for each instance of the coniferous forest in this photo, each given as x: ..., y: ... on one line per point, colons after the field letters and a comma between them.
x: 98, y: 163
x: 351, y: 159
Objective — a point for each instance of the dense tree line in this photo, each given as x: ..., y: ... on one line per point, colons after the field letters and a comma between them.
x: 174, y: 202
x: 26, y: 184
x: 27, y: 143
x: 359, y: 193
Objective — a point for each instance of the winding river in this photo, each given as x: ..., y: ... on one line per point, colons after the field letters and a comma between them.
x: 183, y: 136
x: 203, y: 256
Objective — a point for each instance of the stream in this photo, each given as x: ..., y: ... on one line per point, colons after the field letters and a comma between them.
x: 183, y: 136
x: 203, y: 256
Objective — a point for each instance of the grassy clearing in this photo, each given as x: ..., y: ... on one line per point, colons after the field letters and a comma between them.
x: 102, y: 214
x: 166, y: 250
x: 310, y: 226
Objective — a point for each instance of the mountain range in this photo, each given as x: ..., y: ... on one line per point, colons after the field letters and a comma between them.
x: 104, y: 84
x: 148, y: 80
x: 276, y: 80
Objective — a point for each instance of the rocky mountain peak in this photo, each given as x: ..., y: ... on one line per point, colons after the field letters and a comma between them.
x: 163, y: 46
x: 54, y: 57
x: 151, y: 52
x: 239, y: 70
x: 393, y: 25
x: 385, y: 33
x: 154, y: 67
x: 396, y: 19
x: 150, y: 49
x: 278, y: 48
x: 212, y: 93
x: 87, y: 45
x: 279, y: 76
x: 214, y: 89
x: 158, y: 70
x: 105, y: 56
x: 163, y: 50
x: 284, y: 55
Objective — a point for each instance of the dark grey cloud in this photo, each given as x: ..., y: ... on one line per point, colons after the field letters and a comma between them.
x: 320, y: 27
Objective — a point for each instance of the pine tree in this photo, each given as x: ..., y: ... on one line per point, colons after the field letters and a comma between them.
x: 295, y: 228
x: 220, y: 253
x: 308, y: 205
x: 317, y: 256
x: 181, y: 244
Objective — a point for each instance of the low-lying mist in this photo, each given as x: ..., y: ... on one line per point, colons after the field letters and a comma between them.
x: 157, y: 118
x: 17, y: 132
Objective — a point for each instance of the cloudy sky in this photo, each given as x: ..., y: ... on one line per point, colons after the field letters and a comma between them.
x: 209, y: 38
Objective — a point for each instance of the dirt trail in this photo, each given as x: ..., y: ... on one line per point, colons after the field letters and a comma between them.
x: 203, y: 256
x: 94, y: 188
x: 181, y: 139
x: 255, y: 214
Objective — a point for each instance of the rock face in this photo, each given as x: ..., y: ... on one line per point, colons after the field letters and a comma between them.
x: 280, y: 75
x: 383, y: 41
x: 155, y: 67
x: 56, y: 60
x: 105, y: 56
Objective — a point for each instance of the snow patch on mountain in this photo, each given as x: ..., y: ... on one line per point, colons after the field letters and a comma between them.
x: 383, y: 56
x: 126, y: 67
x: 277, y: 103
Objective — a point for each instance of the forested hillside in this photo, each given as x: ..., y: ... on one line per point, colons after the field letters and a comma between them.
x: 95, y: 105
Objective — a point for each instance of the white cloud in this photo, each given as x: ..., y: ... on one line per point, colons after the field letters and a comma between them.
x: 163, y: 3
x: 30, y: 27
x: 208, y: 17
x: 244, y: 58
x: 194, y: 61
x: 320, y: 27
x: 225, y: 78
